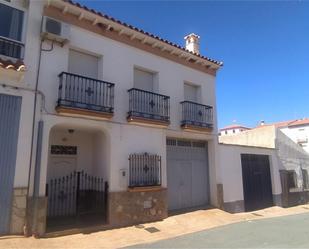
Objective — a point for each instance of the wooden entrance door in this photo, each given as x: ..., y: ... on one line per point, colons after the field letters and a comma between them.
x: 256, y: 181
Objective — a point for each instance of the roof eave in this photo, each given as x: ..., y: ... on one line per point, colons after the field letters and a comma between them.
x: 123, y: 28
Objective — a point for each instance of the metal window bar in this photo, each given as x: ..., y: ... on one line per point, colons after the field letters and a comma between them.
x: 148, y: 104
x: 197, y: 114
x: 81, y: 92
x: 11, y: 48
x: 144, y: 170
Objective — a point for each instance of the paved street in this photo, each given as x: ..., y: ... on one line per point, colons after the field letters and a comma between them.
x: 280, y: 232
x: 203, y: 228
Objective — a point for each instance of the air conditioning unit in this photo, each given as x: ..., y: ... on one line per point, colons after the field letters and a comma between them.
x: 55, y: 30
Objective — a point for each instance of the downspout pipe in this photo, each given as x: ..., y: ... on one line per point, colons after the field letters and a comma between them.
x: 28, y: 223
x: 39, y: 133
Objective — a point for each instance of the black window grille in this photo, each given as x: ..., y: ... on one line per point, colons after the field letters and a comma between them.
x: 305, y: 179
x: 144, y: 170
x: 292, y: 179
x: 63, y: 150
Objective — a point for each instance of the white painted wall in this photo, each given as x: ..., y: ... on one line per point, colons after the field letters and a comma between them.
x: 231, y: 170
x: 297, y: 134
x: 291, y: 156
x: 259, y: 137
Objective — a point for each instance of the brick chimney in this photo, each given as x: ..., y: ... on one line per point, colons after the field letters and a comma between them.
x: 193, y: 43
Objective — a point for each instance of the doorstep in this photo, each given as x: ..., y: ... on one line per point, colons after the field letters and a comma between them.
x: 77, y: 230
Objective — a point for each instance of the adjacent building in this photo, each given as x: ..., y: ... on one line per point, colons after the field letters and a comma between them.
x: 262, y: 167
x: 297, y: 130
x: 232, y: 129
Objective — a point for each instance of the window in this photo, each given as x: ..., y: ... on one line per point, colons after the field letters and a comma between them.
x: 305, y: 179
x: 143, y: 80
x: 291, y: 179
x: 190, y: 92
x: 83, y: 64
x: 144, y: 170
x: 13, y: 20
x: 63, y: 150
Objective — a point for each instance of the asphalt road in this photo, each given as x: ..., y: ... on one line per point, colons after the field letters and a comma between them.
x: 281, y: 232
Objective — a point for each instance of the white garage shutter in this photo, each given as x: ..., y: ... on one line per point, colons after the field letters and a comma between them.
x: 187, y: 174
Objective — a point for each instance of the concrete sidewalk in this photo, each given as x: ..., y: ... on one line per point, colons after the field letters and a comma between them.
x: 173, y: 226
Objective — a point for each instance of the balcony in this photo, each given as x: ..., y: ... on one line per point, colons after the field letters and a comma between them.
x: 144, y: 170
x: 148, y: 107
x: 196, y: 116
x: 11, y: 48
x: 79, y: 95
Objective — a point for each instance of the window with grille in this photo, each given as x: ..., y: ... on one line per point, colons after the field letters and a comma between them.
x: 291, y: 179
x: 305, y: 179
x: 144, y: 170
x: 63, y: 150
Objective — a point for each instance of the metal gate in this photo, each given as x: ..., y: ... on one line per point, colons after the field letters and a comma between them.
x: 256, y: 181
x: 76, y: 197
x: 9, y: 127
x: 187, y: 173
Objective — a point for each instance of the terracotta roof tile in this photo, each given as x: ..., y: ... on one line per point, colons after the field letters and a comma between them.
x: 219, y: 63
x: 288, y: 123
x: 299, y: 122
x: 8, y: 64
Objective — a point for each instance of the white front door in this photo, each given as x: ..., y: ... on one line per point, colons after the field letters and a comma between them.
x: 60, y: 166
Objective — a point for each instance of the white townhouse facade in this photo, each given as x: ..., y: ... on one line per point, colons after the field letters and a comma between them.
x: 125, y: 123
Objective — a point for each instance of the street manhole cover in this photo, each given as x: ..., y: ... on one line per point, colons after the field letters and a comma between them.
x: 152, y: 229
x: 257, y: 214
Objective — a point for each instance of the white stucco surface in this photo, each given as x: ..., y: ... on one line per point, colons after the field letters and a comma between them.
x: 231, y: 169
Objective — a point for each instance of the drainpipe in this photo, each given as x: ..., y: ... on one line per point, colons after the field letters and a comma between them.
x: 40, y: 129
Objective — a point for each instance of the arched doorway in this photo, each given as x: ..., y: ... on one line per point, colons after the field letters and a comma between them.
x: 77, y: 186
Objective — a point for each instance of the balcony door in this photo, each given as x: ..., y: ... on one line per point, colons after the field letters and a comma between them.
x: 83, y: 64
x: 143, y: 80
x: 85, y: 88
x: 11, y: 31
x: 143, y: 102
x: 191, y: 92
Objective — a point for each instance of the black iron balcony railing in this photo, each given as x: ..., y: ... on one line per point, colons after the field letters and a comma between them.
x: 194, y: 114
x: 144, y: 170
x: 11, y: 48
x: 148, y: 105
x: 76, y: 91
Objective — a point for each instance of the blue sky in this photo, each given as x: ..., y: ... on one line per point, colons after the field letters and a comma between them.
x: 264, y: 47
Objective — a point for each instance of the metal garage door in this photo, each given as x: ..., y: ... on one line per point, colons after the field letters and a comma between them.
x: 187, y: 174
x: 256, y: 181
x: 9, y: 126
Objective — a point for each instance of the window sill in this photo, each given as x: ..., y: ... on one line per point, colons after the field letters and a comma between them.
x: 295, y: 190
x: 145, y: 189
